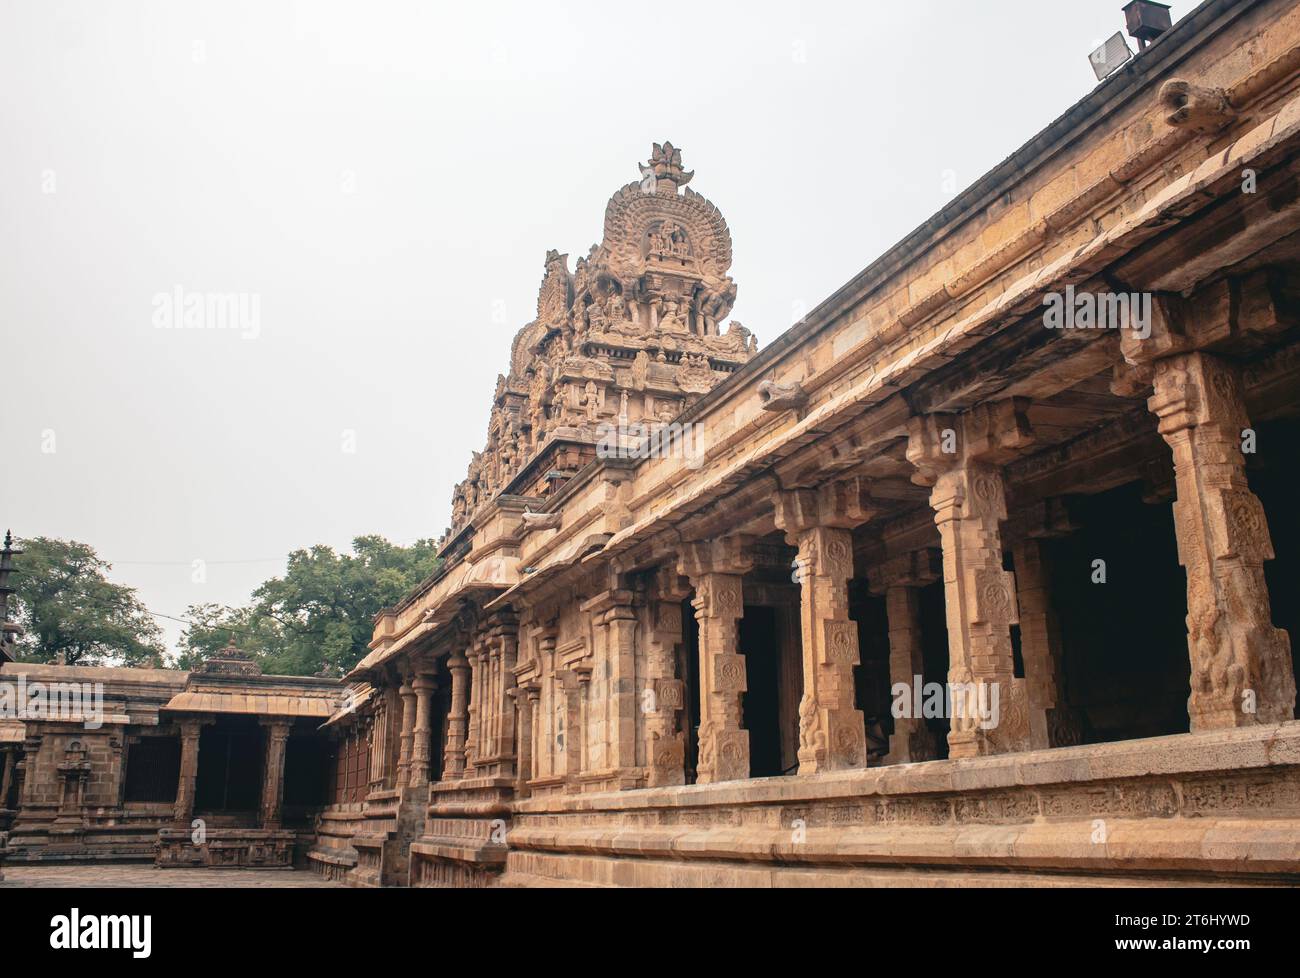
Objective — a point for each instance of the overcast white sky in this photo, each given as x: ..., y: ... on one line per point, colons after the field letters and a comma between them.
x: 387, y: 177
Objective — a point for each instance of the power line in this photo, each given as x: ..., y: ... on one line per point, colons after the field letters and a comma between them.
x: 190, y: 563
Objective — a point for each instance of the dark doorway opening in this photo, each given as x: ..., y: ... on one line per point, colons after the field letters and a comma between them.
x: 230, y: 768
x: 1124, y: 641
x: 871, y: 682
x: 935, y: 656
x: 761, y: 703
x: 153, y: 770
x: 306, y: 772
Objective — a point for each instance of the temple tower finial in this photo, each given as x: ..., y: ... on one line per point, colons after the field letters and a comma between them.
x: 664, y: 173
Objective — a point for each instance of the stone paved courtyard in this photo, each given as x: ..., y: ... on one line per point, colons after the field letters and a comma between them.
x: 145, y: 875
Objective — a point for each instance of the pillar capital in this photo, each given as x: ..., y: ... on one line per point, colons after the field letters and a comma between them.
x: 915, y: 569
x: 842, y: 504
x: 1045, y: 519
x: 1217, y: 317
x: 276, y: 726
x: 424, y: 682
x: 669, y: 584
x: 723, y: 555
x: 608, y: 605
x: 992, y: 433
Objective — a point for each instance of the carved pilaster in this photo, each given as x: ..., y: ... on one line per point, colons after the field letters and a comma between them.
x: 525, y: 698
x: 503, y: 645
x: 379, y: 755
x: 476, y: 657
x: 573, y: 686
x: 961, y: 458
x: 422, y: 740
x: 614, y: 628
x: 407, y: 695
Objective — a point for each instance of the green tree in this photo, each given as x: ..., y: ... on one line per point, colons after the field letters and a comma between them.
x: 69, y: 609
x: 211, y: 626
x: 319, y: 615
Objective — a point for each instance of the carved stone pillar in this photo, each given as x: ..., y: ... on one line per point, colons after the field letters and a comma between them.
x: 569, y: 729
x: 345, y: 748
x: 525, y: 698
x: 406, y: 692
x: 1241, y: 664
x: 503, y: 655
x: 900, y: 580
x: 1051, y: 722
x: 277, y: 738
x: 422, y: 741
x: 453, y: 765
x: 191, y: 728
x: 378, y: 774
x: 715, y: 569
x: 832, y: 731
x: 665, y: 742
x: 961, y: 458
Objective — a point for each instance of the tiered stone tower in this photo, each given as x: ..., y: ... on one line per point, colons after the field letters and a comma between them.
x: 631, y: 336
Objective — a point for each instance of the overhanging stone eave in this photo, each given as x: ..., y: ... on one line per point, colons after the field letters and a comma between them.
x: 1196, y: 188
x: 1071, y: 126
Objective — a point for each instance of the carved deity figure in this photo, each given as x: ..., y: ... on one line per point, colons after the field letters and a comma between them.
x: 670, y: 322
x: 668, y: 241
x: 591, y: 400
x: 616, y: 308
x: 596, y: 318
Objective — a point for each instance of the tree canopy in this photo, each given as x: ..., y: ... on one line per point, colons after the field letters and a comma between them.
x: 69, y: 610
x: 316, y: 618
x: 319, y: 615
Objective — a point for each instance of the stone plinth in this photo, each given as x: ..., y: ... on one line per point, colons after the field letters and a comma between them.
x: 1218, y: 806
x: 226, y: 849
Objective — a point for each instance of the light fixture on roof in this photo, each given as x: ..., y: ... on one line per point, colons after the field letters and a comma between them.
x: 1110, y: 57
x: 1146, y: 21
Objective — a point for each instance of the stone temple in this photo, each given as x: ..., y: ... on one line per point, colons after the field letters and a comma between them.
x: 985, y: 571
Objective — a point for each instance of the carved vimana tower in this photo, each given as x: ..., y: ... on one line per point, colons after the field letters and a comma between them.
x: 631, y: 336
